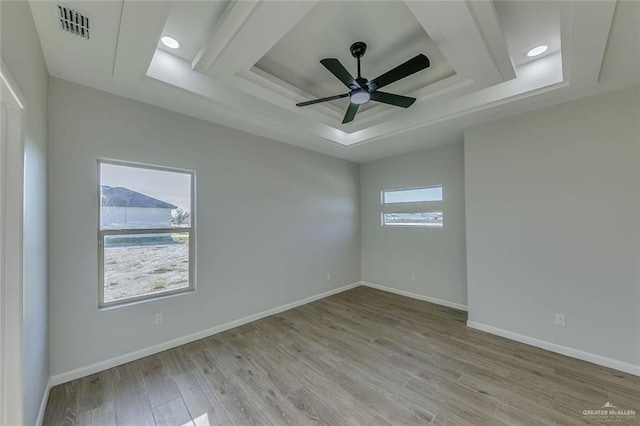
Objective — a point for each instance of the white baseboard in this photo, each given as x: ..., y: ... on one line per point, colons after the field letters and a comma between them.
x: 554, y: 347
x: 454, y: 305
x: 43, y: 404
x: 132, y: 356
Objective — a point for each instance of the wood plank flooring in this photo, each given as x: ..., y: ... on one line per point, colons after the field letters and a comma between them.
x: 360, y: 357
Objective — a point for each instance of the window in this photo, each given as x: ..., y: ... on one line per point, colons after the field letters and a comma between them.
x: 413, y: 195
x: 430, y: 219
x: 417, y: 207
x: 146, y: 238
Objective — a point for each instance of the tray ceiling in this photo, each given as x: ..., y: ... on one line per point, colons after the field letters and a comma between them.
x: 393, y: 36
x: 245, y: 64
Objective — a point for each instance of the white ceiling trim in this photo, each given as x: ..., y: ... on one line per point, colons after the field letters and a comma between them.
x: 124, y: 59
x: 486, y: 17
x: 584, y: 39
x: 234, y: 18
x: 472, y: 61
x: 531, y: 76
x: 460, y: 37
x: 135, y: 47
x: 246, y: 91
x: 274, y: 19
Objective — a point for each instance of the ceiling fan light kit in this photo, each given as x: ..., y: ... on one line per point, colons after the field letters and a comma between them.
x: 359, y: 96
x: 363, y: 90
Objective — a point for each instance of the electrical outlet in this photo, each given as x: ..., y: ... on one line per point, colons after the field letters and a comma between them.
x: 561, y: 320
x: 413, y: 278
x: 328, y: 276
x: 159, y: 318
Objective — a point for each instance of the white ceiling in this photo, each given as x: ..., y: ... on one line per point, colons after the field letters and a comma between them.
x: 393, y: 35
x: 192, y: 22
x: 245, y: 64
x: 529, y: 24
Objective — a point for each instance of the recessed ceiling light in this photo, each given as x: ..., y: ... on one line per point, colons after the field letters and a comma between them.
x: 538, y: 50
x: 170, y: 42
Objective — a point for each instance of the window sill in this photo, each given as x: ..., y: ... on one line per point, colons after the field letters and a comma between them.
x: 145, y: 299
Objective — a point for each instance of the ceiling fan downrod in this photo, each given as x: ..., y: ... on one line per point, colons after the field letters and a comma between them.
x: 358, y: 49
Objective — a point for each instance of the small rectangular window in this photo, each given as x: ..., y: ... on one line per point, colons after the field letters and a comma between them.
x: 427, y: 219
x: 413, y: 195
x: 146, y: 232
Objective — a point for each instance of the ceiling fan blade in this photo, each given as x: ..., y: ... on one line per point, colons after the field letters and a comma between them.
x: 336, y: 68
x: 412, y: 66
x: 351, y: 113
x: 391, y: 99
x: 317, y: 101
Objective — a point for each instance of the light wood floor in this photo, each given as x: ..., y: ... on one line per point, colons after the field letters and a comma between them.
x: 359, y: 357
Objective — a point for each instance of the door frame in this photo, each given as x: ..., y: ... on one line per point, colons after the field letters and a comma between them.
x: 12, y: 132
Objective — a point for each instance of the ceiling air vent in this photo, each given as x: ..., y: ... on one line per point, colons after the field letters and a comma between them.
x: 73, y: 21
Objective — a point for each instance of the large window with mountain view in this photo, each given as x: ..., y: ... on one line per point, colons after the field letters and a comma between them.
x: 146, y: 240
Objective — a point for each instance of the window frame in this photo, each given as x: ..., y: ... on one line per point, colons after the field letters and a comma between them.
x: 382, y: 192
x: 102, y: 233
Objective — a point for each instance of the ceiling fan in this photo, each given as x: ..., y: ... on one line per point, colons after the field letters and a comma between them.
x: 363, y: 90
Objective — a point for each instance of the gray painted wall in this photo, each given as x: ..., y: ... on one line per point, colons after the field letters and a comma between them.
x: 21, y: 53
x: 435, y: 256
x: 553, y: 224
x: 272, y: 221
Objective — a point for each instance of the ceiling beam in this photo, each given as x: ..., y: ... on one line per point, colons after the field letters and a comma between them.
x: 231, y: 23
x: 585, y: 33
